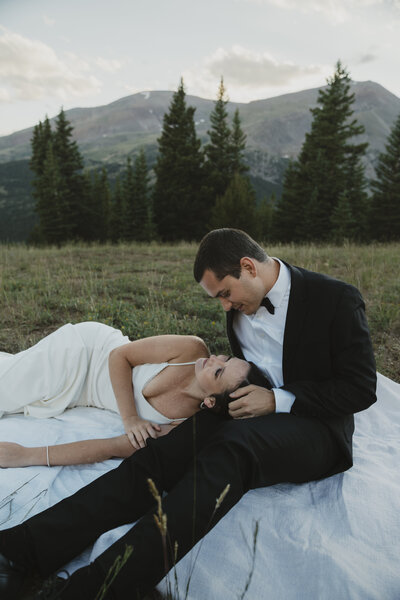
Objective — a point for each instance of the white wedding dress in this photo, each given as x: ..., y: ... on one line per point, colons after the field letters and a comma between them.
x: 69, y: 368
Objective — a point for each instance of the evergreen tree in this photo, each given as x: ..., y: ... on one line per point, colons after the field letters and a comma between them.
x: 100, y: 205
x: 89, y: 207
x: 70, y: 166
x: 42, y: 136
x: 56, y: 151
x: 237, y: 207
x: 289, y: 209
x: 181, y: 206
x: 385, y: 223
x: 342, y: 221
x: 219, y: 151
x: 238, y: 145
x: 129, y: 196
x: 141, y: 208
x: 118, y: 213
x: 328, y: 168
x: 264, y: 217
x: 49, y: 206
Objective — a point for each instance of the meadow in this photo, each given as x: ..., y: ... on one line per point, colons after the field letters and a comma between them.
x: 148, y: 289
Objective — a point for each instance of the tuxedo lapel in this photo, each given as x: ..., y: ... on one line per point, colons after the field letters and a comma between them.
x: 295, y: 318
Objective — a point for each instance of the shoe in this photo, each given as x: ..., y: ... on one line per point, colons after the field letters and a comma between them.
x: 15, y: 582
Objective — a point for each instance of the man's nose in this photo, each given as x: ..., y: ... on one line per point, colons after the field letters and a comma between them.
x: 226, y: 304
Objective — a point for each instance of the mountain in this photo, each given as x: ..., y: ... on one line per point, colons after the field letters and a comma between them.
x: 275, y: 130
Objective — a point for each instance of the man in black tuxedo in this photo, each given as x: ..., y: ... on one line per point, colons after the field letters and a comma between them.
x: 313, y: 367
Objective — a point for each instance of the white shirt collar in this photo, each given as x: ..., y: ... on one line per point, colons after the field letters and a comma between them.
x: 281, y: 285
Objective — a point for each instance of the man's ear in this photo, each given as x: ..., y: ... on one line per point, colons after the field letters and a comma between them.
x: 248, y: 265
x: 209, y: 401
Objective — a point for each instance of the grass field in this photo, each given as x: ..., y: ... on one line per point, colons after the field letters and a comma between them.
x: 149, y: 289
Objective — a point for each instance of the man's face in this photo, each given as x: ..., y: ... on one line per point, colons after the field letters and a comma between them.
x: 243, y: 294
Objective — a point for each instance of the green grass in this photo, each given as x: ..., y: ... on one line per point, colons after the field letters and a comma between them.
x: 149, y: 290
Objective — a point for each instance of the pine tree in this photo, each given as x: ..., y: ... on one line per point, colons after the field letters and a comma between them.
x: 289, y: 209
x: 42, y: 136
x: 237, y: 207
x: 141, y: 209
x: 49, y: 203
x: 181, y: 206
x: 118, y: 213
x: 56, y: 151
x: 342, y: 221
x: 385, y: 221
x: 264, y: 217
x: 329, y: 166
x: 238, y: 145
x: 70, y: 164
x: 219, y: 150
x: 129, y: 197
x: 102, y: 194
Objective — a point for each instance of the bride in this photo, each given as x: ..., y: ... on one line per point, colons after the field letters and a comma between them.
x: 92, y: 364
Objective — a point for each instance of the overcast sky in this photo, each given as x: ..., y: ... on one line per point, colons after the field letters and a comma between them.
x: 91, y: 52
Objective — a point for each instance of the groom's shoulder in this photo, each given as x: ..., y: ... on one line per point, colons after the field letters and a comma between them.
x: 325, y: 283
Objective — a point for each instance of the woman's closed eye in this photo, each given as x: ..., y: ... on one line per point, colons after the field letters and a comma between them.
x: 218, y: 373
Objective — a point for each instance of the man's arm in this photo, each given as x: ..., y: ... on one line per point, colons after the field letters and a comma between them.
x: 352, y: 385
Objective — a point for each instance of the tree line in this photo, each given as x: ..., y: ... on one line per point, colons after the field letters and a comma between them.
x: 194, y: 187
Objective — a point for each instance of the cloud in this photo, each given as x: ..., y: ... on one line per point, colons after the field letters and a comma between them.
x: 338, y: 10
x: 252, y: 69
x: 108, y: 65
x: 248, y: 74
x: 30, y: 70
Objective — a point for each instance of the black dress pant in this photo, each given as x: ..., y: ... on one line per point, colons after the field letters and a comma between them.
x: 194, y: 464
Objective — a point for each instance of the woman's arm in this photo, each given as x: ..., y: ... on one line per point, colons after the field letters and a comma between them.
x: 122, y: 360
x: 73, y: 453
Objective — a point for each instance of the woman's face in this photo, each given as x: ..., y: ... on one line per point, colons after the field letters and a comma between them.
x: 217, y: 374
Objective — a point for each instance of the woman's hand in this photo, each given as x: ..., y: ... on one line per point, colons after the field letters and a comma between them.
x: 138, y: 430
x: 164, y: 429
x: 13, y: 455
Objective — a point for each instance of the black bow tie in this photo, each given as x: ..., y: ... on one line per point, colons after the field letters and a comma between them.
x: 268, y: 305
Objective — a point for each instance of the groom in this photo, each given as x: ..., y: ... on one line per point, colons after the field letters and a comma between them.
x: 313, y: 367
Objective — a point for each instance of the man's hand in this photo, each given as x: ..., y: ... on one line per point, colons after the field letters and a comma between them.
x: 138, y: 430
x: 251, y: 401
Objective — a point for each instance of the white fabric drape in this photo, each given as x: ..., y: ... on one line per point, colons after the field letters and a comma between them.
x: 325, y: 540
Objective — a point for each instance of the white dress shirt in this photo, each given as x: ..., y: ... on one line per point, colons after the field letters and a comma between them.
x: 261, y: 337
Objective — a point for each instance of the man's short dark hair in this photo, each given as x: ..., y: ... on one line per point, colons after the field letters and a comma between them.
x: 220, y: 251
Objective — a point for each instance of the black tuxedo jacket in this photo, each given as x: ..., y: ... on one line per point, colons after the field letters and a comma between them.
x: 328, y: 361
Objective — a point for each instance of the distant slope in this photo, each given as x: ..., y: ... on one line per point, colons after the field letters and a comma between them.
x: 276, y: 126
x: 275, y: 130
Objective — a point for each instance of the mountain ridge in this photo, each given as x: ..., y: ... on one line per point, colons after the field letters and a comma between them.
x: 274, y: 125
x: 275, y: 129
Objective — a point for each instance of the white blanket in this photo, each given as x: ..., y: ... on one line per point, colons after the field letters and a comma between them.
x: 326, y: 540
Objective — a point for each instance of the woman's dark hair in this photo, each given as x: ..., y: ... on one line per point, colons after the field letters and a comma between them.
x: 254, y: 376
x: 222, y: 401
x: 220, y: 251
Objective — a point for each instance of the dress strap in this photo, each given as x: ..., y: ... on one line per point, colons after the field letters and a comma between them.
x: 193, y: 362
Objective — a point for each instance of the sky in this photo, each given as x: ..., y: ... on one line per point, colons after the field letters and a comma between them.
x: 58, y: 53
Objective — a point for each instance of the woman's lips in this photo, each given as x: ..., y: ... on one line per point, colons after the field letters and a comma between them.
x: 204, y: 362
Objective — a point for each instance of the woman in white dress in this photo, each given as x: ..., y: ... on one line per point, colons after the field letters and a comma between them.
x: 92, y: 364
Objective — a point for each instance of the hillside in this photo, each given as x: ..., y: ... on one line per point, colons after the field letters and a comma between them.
x: 275, y: 130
